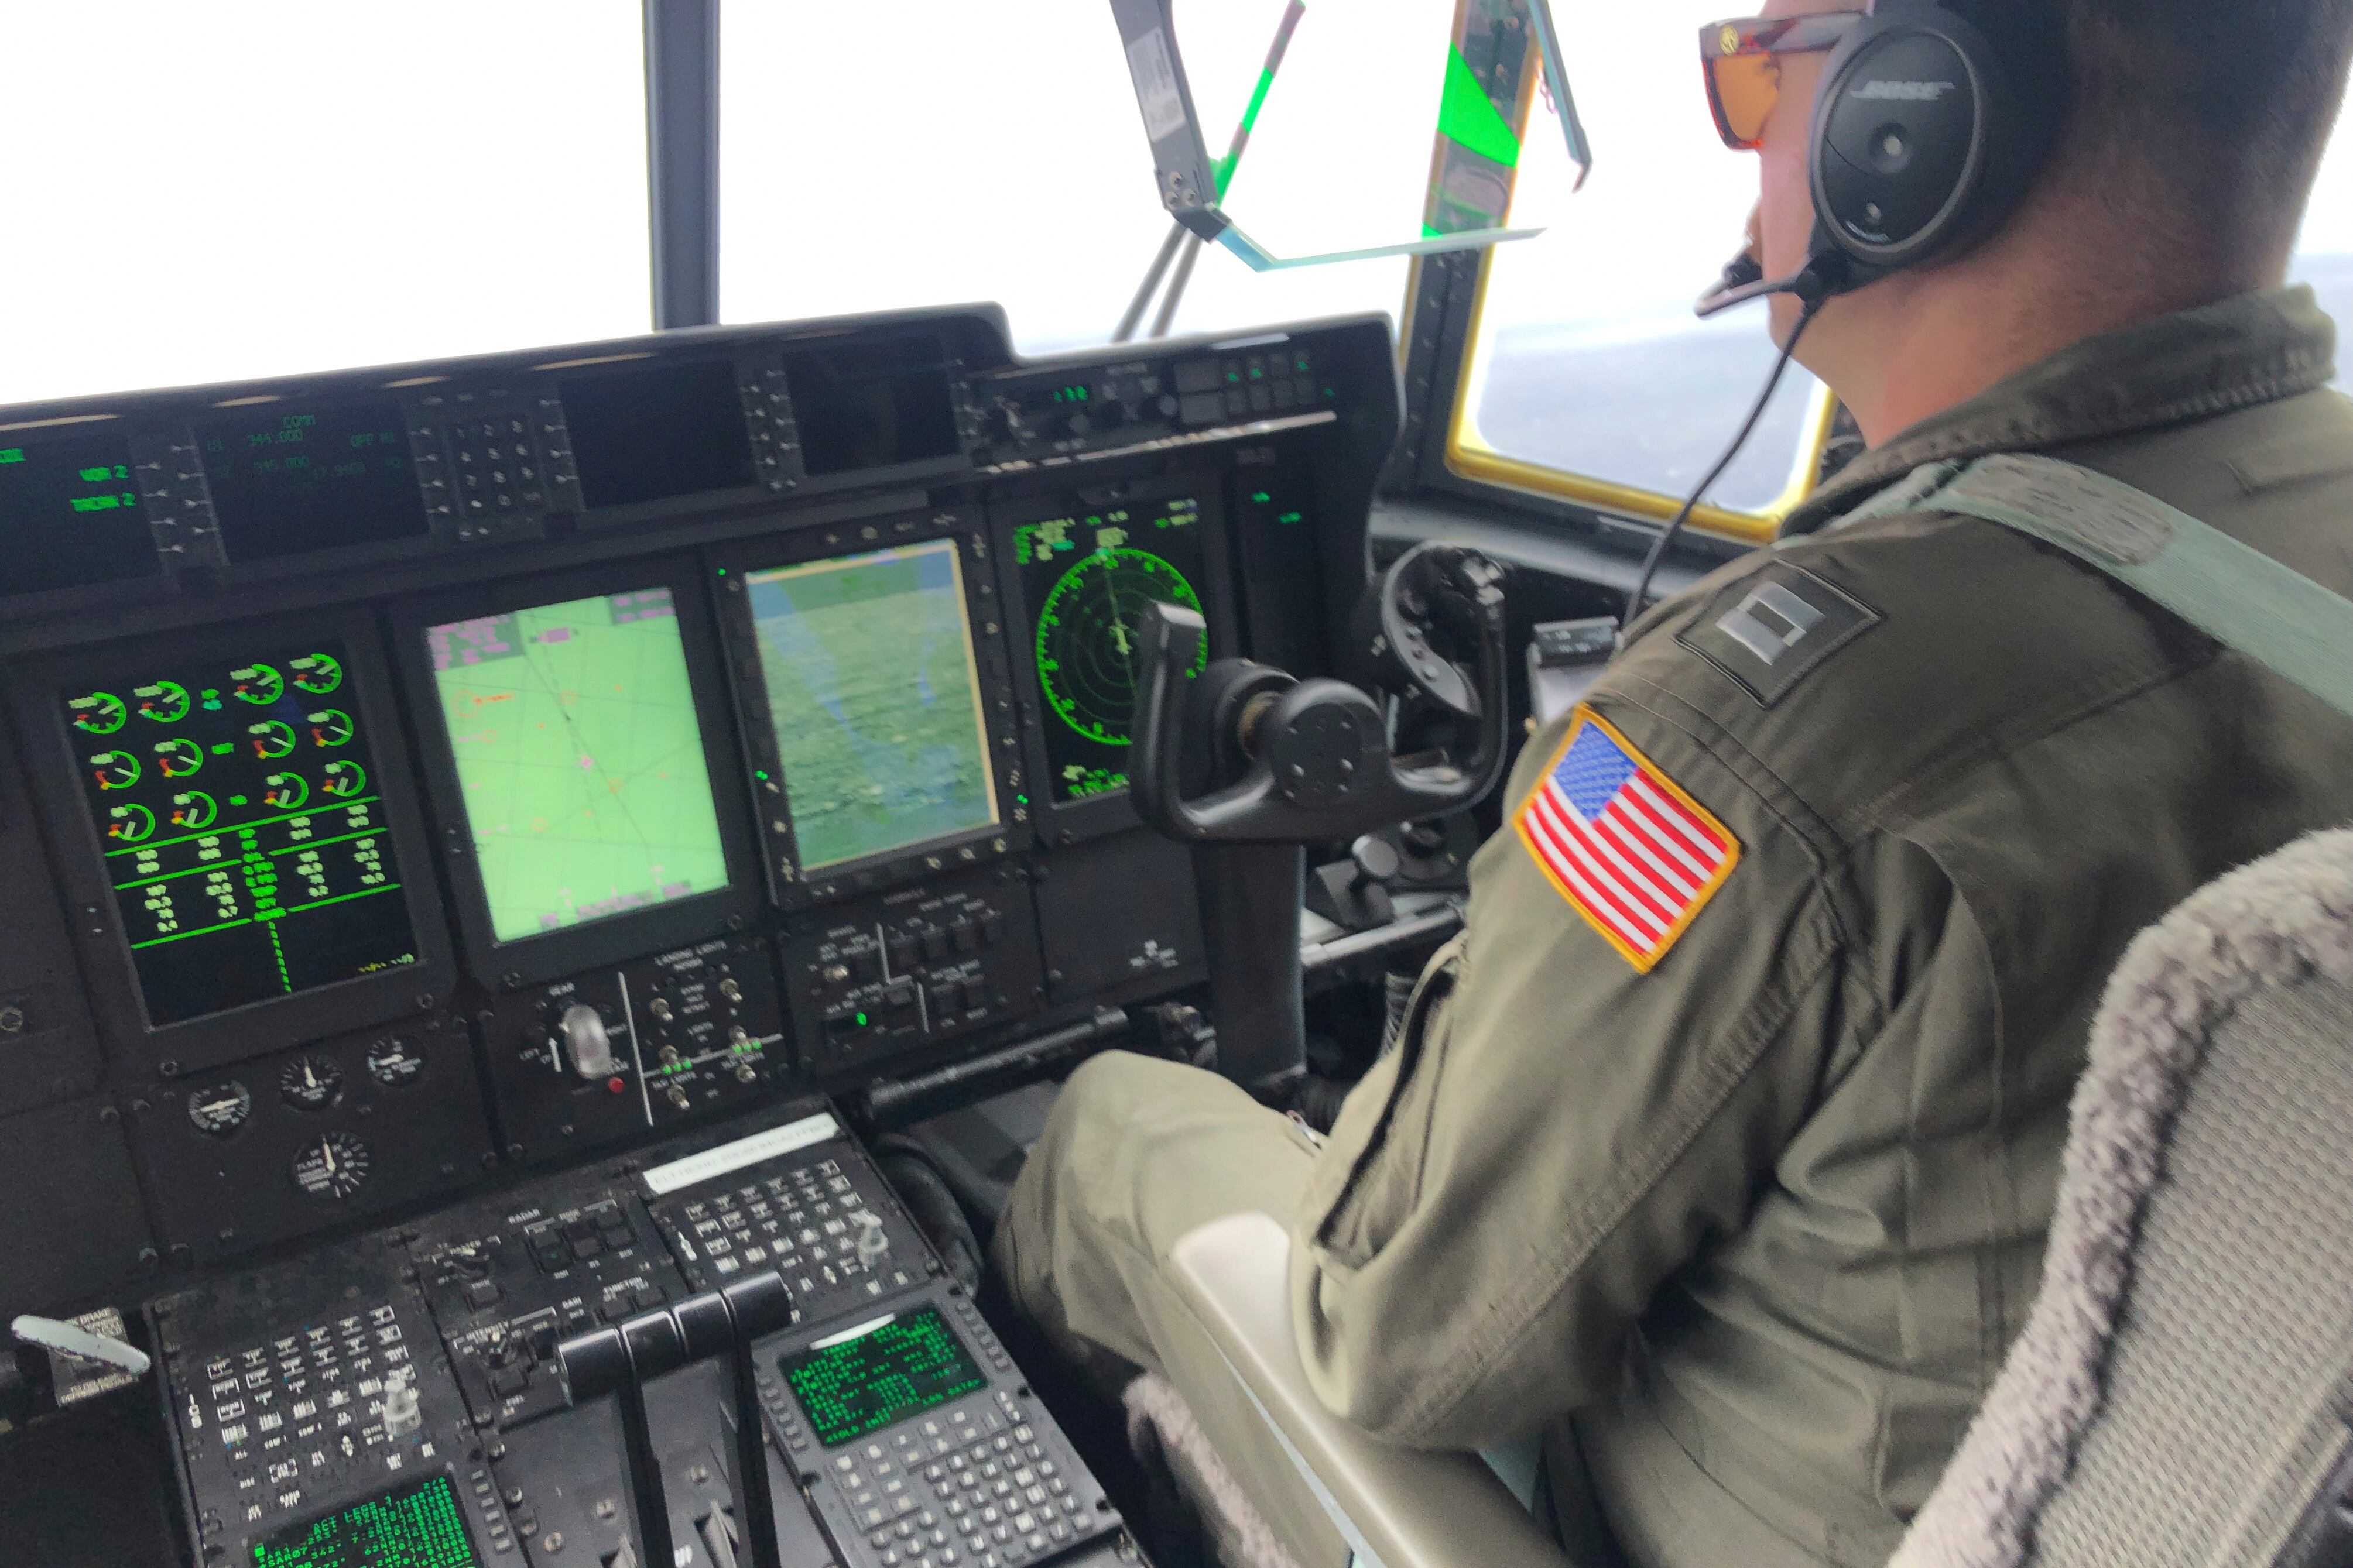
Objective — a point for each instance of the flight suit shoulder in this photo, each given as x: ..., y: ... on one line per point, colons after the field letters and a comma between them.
x: 1858, y: 668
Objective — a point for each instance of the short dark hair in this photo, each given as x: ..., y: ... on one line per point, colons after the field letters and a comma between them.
x: 2223, y: 104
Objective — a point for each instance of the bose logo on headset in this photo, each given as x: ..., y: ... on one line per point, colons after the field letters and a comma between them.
x: 1904, y: 92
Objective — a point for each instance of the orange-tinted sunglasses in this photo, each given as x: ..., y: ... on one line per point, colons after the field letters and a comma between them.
x: 1741, y: 60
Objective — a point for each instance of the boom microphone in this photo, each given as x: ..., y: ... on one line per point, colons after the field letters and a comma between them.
x: 1744, y: 280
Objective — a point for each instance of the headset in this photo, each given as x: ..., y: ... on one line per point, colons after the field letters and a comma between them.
x: 1932, y: 118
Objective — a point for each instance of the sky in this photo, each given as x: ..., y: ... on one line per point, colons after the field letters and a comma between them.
x: 240, y: 189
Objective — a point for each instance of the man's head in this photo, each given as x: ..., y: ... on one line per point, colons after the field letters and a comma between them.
x: 2185, y: 157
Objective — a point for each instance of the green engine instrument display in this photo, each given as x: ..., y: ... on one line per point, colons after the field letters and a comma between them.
x: 241, y: 811
x: 414, y: 1526
x: 871, y: 687
x: 1088, y: 577
x: 580, y: 759
x: 880, y: 1376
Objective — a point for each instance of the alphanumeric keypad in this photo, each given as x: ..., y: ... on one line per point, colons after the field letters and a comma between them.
x: 968, y: 1487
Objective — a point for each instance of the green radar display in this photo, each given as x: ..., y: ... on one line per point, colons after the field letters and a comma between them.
x: 1089, y: 577
x: 580, y: 760
x: 876, y: 702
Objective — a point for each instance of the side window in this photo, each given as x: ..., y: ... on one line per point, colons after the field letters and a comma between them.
x: 1587, y: 375
x: 2324, y: 251
x: 209, y: 191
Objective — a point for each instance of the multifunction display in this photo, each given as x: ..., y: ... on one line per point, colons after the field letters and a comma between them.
x: 1087, y: 578
x: 415, y: 1526
x: 579, y: 760
x: 244, y: 829
x: 71, y: 515
x: 875, y: 1376
x: 652, y: 432
x: 871, y: 687
x: 873, y: 404
x: 319, y: 480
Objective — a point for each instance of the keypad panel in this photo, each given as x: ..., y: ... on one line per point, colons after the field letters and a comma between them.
x: 805, y: 1216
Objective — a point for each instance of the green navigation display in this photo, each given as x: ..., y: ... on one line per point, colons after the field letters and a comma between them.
x: 415, y: 1526
x: 851, y: 1387
x: 868, y: 662
x: 1087, y: 578
x: 243, y: 829
x: 579, y: 759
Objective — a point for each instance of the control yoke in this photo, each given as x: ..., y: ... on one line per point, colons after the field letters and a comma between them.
x: 1313, y: 756
x: 1289, y: 763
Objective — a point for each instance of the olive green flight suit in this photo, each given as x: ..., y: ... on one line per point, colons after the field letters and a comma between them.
x: 1761, y: 1222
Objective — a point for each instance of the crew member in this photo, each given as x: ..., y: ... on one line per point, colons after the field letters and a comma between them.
x: 1725, y: 1140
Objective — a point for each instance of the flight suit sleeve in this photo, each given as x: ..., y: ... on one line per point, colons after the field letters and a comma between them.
x: 1560, y: 1131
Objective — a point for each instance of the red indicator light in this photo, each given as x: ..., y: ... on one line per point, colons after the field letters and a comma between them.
x: 616, y: 1086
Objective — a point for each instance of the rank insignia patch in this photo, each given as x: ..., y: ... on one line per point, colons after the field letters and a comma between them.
x: 1622, y: 841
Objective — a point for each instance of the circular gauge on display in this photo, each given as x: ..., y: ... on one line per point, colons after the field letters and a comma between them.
x: 329, y: 727
x: 193, y: 811
x: 129, y: 823
x: 344, y: 779
x: 115, y: 770
x: 1090, y: 637
x: 99, y: 713
x: 395, y: 1063
x: 316, y: 673
x: 284, y: 792
x: 272, y: 738
x: 166, y: 701
x: 332, y: 1168
x: 259, y: 684
x: 222, y: 1109
x: 179, y: 757
x: 311, y: 1083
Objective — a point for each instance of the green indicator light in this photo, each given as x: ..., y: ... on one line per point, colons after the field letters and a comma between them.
x: 758, y: 774
x: 861, y: 1020
x: 1289, y: 517
x: 723, y: 571
x: 12, y: 454
x: 1021, y: 800
x: 1262, y: 496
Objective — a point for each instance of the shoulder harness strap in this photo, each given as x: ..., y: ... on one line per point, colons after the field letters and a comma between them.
x: 2235, y: 593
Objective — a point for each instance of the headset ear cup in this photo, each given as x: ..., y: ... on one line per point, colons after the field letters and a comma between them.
x: 1929, y: 129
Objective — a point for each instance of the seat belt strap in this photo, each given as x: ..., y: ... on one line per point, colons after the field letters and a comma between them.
x: 2233, y: 592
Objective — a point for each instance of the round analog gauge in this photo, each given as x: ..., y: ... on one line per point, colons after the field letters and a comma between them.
x: 332, y: 1168
x: 115, y: 770
x: 311, y: 1083
x: 194, y: 811
x: 1090, y: 636
x: 272, y: 738
x: 166, y: 701
x: 259, y: 684
x: 284, y: 792
x: 99, y: 713
x: 129, y: 823
x: 395, y: 1063
x: 179, y: 757
x: 316, y: 673
x: 329, y: 727
x: 342, y: 778
x: 222, y: 1109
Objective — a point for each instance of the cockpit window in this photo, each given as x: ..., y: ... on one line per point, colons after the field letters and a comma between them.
x: 213, y: 192
x: 992, y: 152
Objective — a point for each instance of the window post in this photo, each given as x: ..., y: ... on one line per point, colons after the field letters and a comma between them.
x: 682, y: 159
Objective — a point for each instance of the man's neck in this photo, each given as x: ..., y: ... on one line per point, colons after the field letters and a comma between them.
x: 1940, y: 338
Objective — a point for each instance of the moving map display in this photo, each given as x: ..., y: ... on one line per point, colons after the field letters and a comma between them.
x: 244, y: 830
x: 579, y: 759
x: 1087, y: 578
x: 871, y: 684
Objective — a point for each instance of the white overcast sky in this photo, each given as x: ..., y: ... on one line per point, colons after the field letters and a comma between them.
x: 235, y: 189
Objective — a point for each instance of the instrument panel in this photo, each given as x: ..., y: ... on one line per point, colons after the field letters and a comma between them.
x: 417, y: 778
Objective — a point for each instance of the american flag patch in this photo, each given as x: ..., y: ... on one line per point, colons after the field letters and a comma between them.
x: 1638, y: 857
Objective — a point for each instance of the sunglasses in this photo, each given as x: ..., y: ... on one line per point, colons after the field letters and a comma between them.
x: 1742, y: 62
